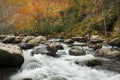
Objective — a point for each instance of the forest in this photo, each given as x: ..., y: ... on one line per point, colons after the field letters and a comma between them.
x: 59, y: 17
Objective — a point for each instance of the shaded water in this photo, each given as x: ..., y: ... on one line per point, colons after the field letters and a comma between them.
x: 43, y: 67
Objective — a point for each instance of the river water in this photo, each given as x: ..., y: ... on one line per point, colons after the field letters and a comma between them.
x: 43, y: 67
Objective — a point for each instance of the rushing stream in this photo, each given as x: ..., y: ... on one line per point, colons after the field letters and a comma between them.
x: 43, y: 67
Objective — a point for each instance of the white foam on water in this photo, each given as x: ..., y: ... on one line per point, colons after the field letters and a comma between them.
x: 43, y: 67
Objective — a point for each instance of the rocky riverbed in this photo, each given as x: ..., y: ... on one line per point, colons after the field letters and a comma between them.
x: 42, y: 58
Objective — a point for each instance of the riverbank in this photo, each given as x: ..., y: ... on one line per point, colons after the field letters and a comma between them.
x: 89, y: 53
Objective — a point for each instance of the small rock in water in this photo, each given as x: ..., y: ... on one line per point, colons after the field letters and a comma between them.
x: 76, y: 51
x: 111, y: 65
x: 115, y: 42
x: 56, y: 46
x: 27, y: 79
x: 108, y: 53
x: 26, y: 46
x: 68, y: 41
x: 27, y: 39
x: 93, y: 63
x: 95, y: 46
x: 37, y: 40
x: 51, y: 51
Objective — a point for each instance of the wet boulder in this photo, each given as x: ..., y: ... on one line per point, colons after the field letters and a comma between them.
x: 7, y: 72
x: 51, y: 51
x: 115, y: 54
x: 27, y: 39
x: 9, y: 39
x: 10, y: 55
x: 56, y: 46
x: 18, y: 39
x: 37, y: 40
x: 111, y: 65
x: 95, y: 46
x: 103, y: 52
x: 25, y: 46
x: 60, y: 47
x: 104, y: 64
x: 115, y: 42
x: 76, y: 51
x: 108, y: 53
x: 93, y: 63
x: 68, y: 41
x: 3, y: 36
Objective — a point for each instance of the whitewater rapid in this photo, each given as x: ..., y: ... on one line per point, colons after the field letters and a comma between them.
x: 43, y: 67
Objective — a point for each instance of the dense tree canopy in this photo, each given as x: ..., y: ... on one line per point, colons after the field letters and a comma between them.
x: 59, y: 17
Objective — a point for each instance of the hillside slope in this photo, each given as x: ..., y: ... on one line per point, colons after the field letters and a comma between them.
x: 64, y: 17
x: 23, y: 13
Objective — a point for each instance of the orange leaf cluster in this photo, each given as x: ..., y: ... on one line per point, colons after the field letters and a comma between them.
x: 32, y: 8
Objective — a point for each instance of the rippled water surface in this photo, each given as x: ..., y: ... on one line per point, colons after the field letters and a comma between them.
x: 43, y: 67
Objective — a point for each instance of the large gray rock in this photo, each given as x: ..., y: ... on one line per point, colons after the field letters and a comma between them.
x: 25, y: 46
x: 95, y: 46
x: 76, y: 51
x: 10, y: 55
x: 3, y: 36
x: 18, y: 39
x: 37, y: 40
x: 111, y: 65
x: 9, y: 39
x: 6, y: 73
x: 93, y: 63
x: 115, y: 42
x: 102, y: 52
x: 27, y: 39
x: 104, y: 64
x: 108, y: 53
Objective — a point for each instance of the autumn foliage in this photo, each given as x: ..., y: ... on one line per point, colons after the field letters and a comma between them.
x: 25, y: 12
x: 66, y: 17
